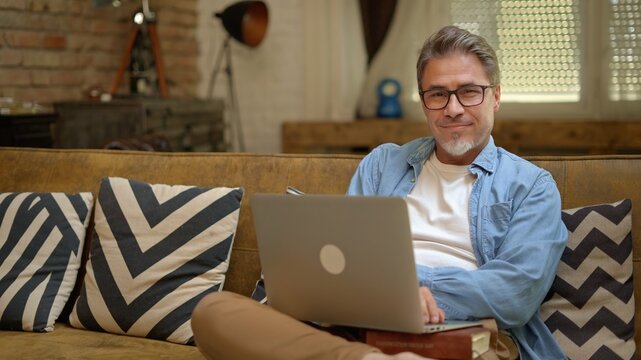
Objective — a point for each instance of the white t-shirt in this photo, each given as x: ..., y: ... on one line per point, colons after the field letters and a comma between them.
x: 439, y: 215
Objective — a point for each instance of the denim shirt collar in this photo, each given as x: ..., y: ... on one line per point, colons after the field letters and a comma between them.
x: 486, y: 159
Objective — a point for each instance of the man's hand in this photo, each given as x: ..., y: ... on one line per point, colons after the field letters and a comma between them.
x: 431, y: 312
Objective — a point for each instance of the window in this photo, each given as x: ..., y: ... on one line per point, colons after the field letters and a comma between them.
x: 581, y: 57
x: 536, y: 43
x: 624, y: 30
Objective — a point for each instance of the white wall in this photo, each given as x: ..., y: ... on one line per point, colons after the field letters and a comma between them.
x: 269, y: 79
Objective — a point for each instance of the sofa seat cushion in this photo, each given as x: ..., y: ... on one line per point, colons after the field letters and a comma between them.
x: 156, y: 251
x: 70, y: 343
x: 590, y: 307
x: 41, y: 240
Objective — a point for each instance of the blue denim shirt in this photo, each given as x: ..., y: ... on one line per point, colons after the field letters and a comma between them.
x: 516, y: 232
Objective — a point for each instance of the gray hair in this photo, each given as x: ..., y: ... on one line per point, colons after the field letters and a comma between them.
x: 451, y: 39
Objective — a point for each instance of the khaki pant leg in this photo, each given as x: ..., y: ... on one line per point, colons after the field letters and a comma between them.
x: 229, y: 326
x: 502, y: 346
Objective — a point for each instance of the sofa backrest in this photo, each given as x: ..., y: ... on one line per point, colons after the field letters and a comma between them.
x: 581, y: 180
x: 45, y: 170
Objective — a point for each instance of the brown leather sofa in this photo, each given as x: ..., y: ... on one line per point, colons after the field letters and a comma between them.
x: 581, y: 181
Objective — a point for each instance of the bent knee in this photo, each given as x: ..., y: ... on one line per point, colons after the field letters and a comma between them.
x: 213, y: 324
x: 213, y: 302
x: 211, y: 306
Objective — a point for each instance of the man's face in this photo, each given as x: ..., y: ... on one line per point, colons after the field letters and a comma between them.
x: 460, y: 132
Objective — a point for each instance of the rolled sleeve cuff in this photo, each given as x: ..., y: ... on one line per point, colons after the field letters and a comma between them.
x: 424, y: 274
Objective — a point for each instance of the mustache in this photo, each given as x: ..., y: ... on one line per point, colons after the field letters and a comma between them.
x: 457, y: 121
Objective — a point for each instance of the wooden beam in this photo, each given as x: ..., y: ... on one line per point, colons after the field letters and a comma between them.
x: 551, y: 137
x: 531, y: 137
x: 308, y: 137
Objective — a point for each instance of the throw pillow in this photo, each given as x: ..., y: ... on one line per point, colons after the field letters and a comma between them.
x: 259, y: 294
x: 156, y: 251
x: 41, y: 241
x: 590, y: 307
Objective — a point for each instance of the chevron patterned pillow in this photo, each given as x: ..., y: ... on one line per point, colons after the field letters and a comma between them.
x: 156, y: 251
x: 590, y: 307
x: 41, y: 241
x: 259, y: 294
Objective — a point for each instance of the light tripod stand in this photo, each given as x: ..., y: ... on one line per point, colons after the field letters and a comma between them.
x: 245, y: 21
x: 234, y: 121
x: 145, y: 26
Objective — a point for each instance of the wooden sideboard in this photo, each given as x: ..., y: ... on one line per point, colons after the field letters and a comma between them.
x: 350, y: 137
x: 29, y: 130
x: 187, y: 124
x: 564, y: 137
x: 527, y: 138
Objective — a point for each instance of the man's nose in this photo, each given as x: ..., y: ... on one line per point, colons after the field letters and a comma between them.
x: 454, y: 106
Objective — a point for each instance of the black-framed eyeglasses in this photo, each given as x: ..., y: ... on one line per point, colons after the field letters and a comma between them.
x: 467, y: 95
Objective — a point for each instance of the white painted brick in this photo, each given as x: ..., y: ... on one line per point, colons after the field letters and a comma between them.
x: 269, y: 78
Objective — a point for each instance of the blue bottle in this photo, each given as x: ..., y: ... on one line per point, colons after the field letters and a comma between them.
x: 389, y: 105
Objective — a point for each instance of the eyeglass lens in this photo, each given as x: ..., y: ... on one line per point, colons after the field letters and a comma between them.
x: 469, y: 95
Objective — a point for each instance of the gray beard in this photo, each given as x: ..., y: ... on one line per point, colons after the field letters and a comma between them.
x: 458, y: 147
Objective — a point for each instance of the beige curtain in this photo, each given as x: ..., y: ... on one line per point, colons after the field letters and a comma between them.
x: 335, y: 59
x: 413, y: 22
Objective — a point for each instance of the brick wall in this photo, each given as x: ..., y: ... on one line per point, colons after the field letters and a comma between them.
x: 52, y: 50
x: 55, y: 50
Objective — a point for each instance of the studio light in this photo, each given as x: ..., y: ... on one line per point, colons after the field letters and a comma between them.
x: 245, y: 21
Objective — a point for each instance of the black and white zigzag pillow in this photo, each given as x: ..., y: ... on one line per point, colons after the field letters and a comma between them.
x: 260, y: 294
x: 156, y: 251
x: 41, y: 241
x: 590, y: 307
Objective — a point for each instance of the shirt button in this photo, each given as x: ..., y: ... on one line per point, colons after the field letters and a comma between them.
x: 413, y: 180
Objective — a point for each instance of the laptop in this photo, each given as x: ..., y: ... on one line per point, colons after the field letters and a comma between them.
x: 341, y: 260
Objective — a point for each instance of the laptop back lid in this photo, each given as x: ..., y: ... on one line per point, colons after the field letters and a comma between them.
x: 339, y: 259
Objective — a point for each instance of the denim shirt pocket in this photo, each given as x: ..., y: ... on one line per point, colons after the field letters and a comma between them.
x: 496, y: 223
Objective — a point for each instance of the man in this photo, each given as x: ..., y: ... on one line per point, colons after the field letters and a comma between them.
x: 486, y: 224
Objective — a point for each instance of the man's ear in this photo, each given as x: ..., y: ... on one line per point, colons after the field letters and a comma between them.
x: 497, y: 97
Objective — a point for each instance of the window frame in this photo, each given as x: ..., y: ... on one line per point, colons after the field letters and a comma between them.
x: 594, y: 102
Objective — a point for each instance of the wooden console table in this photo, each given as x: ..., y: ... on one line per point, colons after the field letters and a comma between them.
x: 187, y: 124
x: 349, y: 137
x: 29, y: 130
x: 526, y: 138
x: 568, y: 137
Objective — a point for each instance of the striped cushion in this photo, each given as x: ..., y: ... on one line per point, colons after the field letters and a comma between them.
x: 260, y: 294
x: 590, y: 308
x: 156, y: 251
x: 41, y: 240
